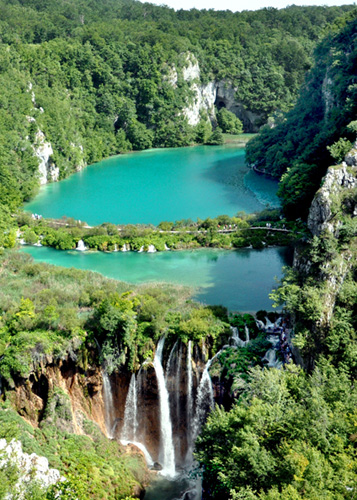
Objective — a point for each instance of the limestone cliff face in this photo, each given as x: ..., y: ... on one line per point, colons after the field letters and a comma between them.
x: 334, y: 203
x: 31, y: 468
x: 325, y: 205
x: 207, y: 97
x: 43, y: 150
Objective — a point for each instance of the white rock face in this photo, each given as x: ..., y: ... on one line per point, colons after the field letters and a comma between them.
x: 351, y: 157
x: 205, y: 96
x: 192, y: 70
x: 43, y: 150
x: 32, y: 468
x: 321, y: 215
x: 221, y: 93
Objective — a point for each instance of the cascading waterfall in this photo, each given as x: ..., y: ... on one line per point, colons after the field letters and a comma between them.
x: 167, y: 453
x: 237, y: 341
x: 270, y: 357
x: 130, y: 426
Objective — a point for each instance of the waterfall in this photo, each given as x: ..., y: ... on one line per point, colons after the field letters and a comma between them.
x: 167, y: 453
x: 108, y: 403
x: 177, y: 383
x: 107, y: 397
x: 189, y: 388
x: 237, y: 341
x: 129, y: 431
x: 189, y: 407
x: 130, y: 426
x: 272, y: 361
x: 268, y: 323
x: 151, y: 249
x: 246, y: 329
x: 168, y: 367
x: 204, y: 399
x: 81, y: 246
x: 260, y: 324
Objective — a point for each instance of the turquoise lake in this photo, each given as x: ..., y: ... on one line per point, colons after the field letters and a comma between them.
x: 156, y: 185
x: 239, y: 279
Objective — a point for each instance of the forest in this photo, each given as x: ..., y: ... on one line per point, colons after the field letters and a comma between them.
x: 95, y: 78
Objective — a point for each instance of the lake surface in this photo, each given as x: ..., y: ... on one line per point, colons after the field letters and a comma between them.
x: 239, y: 279
x: 156, y: 185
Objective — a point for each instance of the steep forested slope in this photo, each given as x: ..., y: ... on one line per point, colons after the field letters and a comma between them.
x: 291, y: 434
x: 298, y: 150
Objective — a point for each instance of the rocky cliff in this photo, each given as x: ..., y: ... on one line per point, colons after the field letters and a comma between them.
x: 326, y: 265
x: 27, y: 470
x: 211, y: 96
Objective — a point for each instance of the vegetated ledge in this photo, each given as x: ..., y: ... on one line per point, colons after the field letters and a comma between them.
x: 259, y: 230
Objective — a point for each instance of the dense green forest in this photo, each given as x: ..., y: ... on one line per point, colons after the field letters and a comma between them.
x: 319, y: 130
x: 95, y: 77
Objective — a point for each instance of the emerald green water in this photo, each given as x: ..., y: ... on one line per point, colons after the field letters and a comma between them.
x: 239, y: 279
x: 156, y: 185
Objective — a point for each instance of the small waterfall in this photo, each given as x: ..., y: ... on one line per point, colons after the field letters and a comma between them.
x: 272, y: 361
x: 237, y: 341
x: 167, y: 453
x: 141, y: 447
x: 130, y: 426
x: 260, y: 324
x: 81, y: 246
x: 129, y: 431
x: 204, y: 399
x: 151, y: 249
x: 108, y: 403
x: 125, y: 247
x: 168, y: 366
x: 246, y: 330
x: 268, y: 323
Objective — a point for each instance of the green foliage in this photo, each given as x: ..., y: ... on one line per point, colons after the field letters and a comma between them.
x: 295, y: 150
x: 289, y: 437
x: 228, y: 122
x: 339, y: 149
x: 216, y: 137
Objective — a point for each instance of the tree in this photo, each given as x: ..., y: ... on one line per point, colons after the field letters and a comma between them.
x: 216, y: 138
x: 229, y: 122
